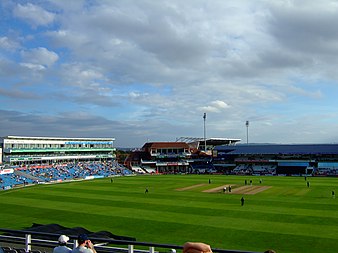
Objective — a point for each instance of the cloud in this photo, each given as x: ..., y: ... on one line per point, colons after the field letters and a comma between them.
x: 91, y: 97
x: 18, y: 94
x: 8, y: 44
x: 305, y: 28
x: 82, y: 75
x: 215, y: 106
x: 79, y: 124
x: 39, y: 57
x: 35, y: 67
x: 33, y: 14
x: 153, y: 68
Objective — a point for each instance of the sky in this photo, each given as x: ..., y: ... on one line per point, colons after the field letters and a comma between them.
x: 148, y: 70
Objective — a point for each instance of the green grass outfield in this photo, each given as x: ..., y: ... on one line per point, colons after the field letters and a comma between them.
x: 288, y: 217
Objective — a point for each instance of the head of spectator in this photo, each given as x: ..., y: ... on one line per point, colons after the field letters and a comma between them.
x: 269, y: 251
x: 196, y: 247
x: 63, y: 239
x: 82, y: 239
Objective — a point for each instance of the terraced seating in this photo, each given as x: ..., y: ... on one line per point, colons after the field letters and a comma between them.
x: 10, y: 180
x: 32, y: 175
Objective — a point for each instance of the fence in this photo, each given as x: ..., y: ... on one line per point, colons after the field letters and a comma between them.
x: 30, y: 243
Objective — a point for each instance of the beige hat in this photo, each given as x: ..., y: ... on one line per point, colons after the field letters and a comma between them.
x: 63, y: 239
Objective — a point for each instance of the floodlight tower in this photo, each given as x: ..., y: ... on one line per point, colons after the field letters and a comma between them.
x: 205, y: 139
x: 247, y: 131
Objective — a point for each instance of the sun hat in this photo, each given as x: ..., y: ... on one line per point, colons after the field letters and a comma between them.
x: 63, y: 239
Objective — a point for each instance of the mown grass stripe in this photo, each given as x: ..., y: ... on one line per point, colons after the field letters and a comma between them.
x: 96, y: 208
x: 175, y: 206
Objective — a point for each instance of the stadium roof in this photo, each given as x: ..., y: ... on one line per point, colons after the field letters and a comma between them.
x: 285, y: 149
x: 210, y: 141
x: 56, y: 138
x: 165, y: 145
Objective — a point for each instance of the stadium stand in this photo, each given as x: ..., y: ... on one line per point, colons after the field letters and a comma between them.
x: 19, y: 177
x: 27, y: 150
x: 203, y: 167
x: 177, y: 157
x: 277, y: 159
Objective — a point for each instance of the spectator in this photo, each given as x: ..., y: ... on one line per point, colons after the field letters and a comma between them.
x: 269, y: 251
x: 84, y: 245
x: 62, y: 248
x: 196, y: 247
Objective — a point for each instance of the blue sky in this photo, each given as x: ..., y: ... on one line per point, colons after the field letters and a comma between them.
x: 149, y: 70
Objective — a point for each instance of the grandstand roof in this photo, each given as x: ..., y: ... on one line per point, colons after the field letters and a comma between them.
x: 285, y: 149
x: 165, y: 145
x: 210, y: 141
x: 54, y: 138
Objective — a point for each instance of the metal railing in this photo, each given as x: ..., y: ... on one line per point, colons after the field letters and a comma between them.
x: 30, y: 240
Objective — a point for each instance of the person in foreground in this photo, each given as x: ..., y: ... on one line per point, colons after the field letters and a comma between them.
x: 62, y: 248
x: 200, y: 247
x: 84, y: 245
